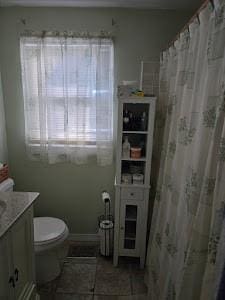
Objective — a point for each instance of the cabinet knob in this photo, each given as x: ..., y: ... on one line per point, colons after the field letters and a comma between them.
x: 132, y: 194
x: 11, y: 280
x: 122, y: 228
x: 16, y: 272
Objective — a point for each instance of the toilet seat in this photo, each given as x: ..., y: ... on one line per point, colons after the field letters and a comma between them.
x: 48, y: 232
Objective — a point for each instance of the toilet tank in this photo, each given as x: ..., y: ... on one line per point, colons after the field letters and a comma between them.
x: 7, y: 185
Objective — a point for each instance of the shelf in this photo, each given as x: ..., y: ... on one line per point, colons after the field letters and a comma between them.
x: 129, y: 244
x: 137, y: 99
x: 134, y: 132
x: 130, y: 238
x: 134, y: 159
x: 133, y: 185
x: 145, y: 186
x: 131, y: 219
x: 130, y: 230
x: 130, y: 235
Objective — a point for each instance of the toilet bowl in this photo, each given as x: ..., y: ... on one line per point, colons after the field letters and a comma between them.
x: 49, y: 235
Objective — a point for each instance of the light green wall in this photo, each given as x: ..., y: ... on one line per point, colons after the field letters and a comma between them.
x: 3, y: 142
x: 67, y: 191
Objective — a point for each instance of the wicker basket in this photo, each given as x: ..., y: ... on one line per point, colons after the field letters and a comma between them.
x: 4, y: 173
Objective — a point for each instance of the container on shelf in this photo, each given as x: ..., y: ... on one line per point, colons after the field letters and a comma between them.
x: 142, y: 145
x: 135, y: 152
x: 134, y: 168
x: 144, y: 121
x: 126, y: 178
x: 126, y: 90
x: 134, y: 122
x: 138, y: 178
x: 126, y: 120
x: 126, y: 148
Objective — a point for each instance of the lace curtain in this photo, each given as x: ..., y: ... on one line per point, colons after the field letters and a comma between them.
x: 68, y: 98
x: 186, y: 246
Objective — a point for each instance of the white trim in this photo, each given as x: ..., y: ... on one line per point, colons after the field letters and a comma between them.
x: 92, y: 237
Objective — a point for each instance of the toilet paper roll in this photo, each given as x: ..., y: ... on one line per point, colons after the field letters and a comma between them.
x: 105, y: 197
x: 106, y: 224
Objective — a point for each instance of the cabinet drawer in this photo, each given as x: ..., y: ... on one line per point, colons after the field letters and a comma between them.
x: 132, y: 193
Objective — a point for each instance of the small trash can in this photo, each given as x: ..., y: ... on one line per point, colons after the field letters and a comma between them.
x: 106, y: 235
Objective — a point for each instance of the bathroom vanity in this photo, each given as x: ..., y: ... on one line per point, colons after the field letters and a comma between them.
x: 17, y: 273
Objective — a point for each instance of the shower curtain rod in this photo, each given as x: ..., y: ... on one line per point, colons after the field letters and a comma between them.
x: 196, y: 15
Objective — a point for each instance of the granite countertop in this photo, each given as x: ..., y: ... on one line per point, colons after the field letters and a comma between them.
x: 12, y: 206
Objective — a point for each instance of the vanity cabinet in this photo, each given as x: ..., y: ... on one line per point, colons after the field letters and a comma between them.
x: 133, y: 168
x: 17, y: 279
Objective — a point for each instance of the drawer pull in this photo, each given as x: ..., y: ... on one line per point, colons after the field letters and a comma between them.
x: 132, y: 194
x: 11, y: 280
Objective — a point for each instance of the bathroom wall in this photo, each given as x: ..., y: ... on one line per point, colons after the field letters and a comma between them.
x: 3, y: 141
x: 68, y: 191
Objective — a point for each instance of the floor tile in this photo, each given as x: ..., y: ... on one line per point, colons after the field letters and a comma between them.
x: 130, y: 297
x: 77, y: 278
x: 83, y: 276
x: 139, y: 297
x: 112, y: 281
x: 81, y: 260
x: 45, y: 287
x: 83, y: 250
x: 134, y: 297
x: 48, y: 287
x: 107, y: 264
x: 129, y: 260
x: 137, y: 282
x: 105, y: 297
x: 46, y: 296
x: 104, y: 260
x: 72, y: 297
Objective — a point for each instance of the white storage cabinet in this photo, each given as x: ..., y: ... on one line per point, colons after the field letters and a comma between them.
x: 131, y: 199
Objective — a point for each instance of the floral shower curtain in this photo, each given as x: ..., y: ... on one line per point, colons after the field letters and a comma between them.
x: 186, y: 245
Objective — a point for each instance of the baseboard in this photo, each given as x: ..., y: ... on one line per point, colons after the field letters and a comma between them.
x: 83, y: 237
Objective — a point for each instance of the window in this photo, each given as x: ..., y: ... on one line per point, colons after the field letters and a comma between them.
x: 68, y: 96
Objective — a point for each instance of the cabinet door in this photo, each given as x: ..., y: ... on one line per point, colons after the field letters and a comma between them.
x: 7, y: 288
x: 130, y: 227
x: 22, y: 252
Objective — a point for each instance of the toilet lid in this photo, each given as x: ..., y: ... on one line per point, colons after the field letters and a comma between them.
x: 48, y: 229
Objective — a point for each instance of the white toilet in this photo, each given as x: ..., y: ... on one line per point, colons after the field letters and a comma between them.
x: 49, y: 234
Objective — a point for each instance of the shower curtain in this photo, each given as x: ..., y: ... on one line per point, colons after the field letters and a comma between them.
x: 186, y: 250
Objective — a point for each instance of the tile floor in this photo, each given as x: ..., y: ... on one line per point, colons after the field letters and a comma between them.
x: 95, y: 278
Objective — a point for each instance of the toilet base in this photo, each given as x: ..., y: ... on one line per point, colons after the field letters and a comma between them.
x: 49, y: 264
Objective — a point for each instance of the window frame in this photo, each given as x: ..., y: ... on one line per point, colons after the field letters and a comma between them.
x: 73, y: 142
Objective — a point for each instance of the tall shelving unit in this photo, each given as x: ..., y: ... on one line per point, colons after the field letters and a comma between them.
x: 131, y: 200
